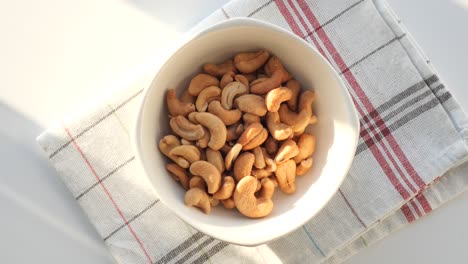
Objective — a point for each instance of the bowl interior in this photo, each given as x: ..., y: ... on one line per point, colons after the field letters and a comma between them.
x: 336, y: 131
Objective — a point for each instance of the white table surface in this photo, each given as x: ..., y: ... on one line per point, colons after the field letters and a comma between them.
x: 57, y: 53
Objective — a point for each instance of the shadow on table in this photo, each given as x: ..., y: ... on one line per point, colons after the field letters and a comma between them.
x: 180, y: 15
x: 30, y: 186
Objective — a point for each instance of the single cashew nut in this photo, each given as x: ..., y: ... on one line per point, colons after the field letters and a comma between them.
x: 251, y: 103
x: 206, y: 96
x: 228, y: 117
x: 179, y: 174
x: 286, y: 175
x: 208, y: 172
x: 243, y: 165
x: 267, y: 189
x: 304, y: 166
x: 214, y: 157
x: 274, y: 65
x: 271, y: 145
x: 219, y: 70
x: 264, y: 85
x: 185, y: 155
x: 232, y: 155
x: 246, y: 201
x: 198, y: 198
x: 242, y: 79
x: 278, y: 130
x: 184, y: 128
x: 259, y: 158
x: 253, y: 136
x: 228, y: 203
x: 200, y: 82
x: 230, y: 91
x: 234, y: 131
x: 197, y: 182
x: 305, y: 103
x: 177, y: 107
x: 248, y: 62
x: 216, y: 127
x: 250, y: 118
x: 295, y: 88
x: 226, y: 189
x: 259, y: 79
x: 306, y: 145
x: 297, y: 121
x: 287, y: 151
x: 275, y: 97
x: 226, y: 79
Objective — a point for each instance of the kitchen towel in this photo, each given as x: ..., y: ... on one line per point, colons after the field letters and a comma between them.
x: 411, y: 156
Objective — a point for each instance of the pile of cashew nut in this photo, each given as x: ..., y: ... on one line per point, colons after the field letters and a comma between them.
x: 238, y: 133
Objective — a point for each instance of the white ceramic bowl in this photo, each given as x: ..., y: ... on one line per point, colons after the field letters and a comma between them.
x: 336, y: 131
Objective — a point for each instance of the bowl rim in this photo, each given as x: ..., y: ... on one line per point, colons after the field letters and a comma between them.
x: 136, y: 136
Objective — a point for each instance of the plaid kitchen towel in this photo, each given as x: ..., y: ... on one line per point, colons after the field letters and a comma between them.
x: 410, y: 159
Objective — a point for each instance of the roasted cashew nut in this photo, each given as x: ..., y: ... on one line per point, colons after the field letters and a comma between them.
x: 177, y: 107
x: 306, y: 146
x: 203, y: 142
x: 179, y: 174
x: 248, y: 62
x: 206, y: 96
x: 219, y: 70
x: 208, y: 172
x: 185, y: 155
x: 226, y: 79
x: 253, y: 136
x: 287, y: 151
x: 305, y: 103
x: 166, y: 144
x: 198, y: 198
x: 197, y: 182
x: 228, y: 117
x: 275, y: 97
x: 297, y: 121
x: 246, y: 201
x: 259, y: 158
x: 183, y: 141
x: 184, y: 128
x: 230, y: 91
x: 226, y: 189
x: 295, y: 88
x: 200, y: 82
x: 278, y: 130
x: 216, y: 127
x: 242, y: 79
x: 232, y: 155
x: 264, y: 85
x: 304, y: 166
x: 243, y: 165
x: 286, y: 175
x: 214, y: 157
x: 251, y: 103
x: 274, y: 65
